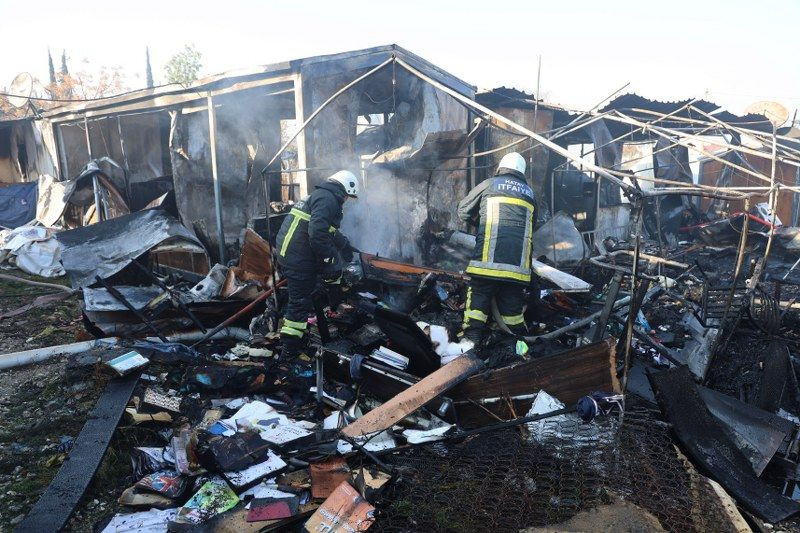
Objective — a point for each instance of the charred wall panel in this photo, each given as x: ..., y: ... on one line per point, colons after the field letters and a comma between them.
x: 248, y: 135
x: 145, y: 138
x: 711, y: 170
x: 74, y: 152
x: 8, y: 171
x: 402, y: 200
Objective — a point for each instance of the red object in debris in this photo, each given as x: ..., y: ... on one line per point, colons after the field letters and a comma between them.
x: 326, y: 476
x: 731, y: 217
x: 270, y: 511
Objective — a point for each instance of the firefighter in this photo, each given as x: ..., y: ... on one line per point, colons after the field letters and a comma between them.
x: 311, y: 249
x: 500, y: 267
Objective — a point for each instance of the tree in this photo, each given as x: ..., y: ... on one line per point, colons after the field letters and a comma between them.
x: 51, y: 68
x: 183, y: 66
x: 64, y: 71
x: 148, y: 70
x: 88, y: 83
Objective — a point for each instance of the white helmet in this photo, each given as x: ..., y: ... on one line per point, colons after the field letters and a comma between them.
x: 348, y: 181
x: 513, y: 162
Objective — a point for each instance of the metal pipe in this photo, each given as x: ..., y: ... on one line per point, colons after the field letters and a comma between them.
x: 736, y: 274
x: 26, y: 357
x: 260, y: 298
x: 36, y: 355
x: 15, y: 279
x: 669, y: 133
x: 577, y: 325
x: 240, y: 334
x: 126, y: 170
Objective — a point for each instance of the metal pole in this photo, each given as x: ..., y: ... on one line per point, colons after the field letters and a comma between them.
x: 773, y: 196
x: 126, y: 170
x: 796, y: 200
x: 273, y: 256
x: 637, y: 293
x: 98, y: 211
x: 535, y: 112
x: 736, y: 273
x: 553, y: 214
x: 212, y: 139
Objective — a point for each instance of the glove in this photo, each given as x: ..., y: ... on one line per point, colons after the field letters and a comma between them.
x: 348, y: 252
x: 332, y: 277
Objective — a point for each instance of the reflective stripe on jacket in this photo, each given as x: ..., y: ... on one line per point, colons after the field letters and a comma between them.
x: 504, y: 206
x: 309, y: 239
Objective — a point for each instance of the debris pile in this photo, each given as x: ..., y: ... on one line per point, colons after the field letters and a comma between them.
x: 654, y: 385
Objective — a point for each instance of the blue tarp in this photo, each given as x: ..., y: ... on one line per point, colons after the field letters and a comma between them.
x: 18, y: 204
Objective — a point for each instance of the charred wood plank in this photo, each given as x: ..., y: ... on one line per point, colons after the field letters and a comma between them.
x: 58, y: 501
x: 566, y: 375
x: 415, y: 396
x: 773, y: 379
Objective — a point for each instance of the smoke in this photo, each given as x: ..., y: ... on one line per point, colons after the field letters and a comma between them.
x: 387, y: 216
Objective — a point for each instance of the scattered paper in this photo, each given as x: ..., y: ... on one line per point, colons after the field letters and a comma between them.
x: 253, y: 473
x: 156, y: 399
x: 265, y: 489
x: 416, y: 436
x: 250, y: 415
x: 283, y: 433
x: 151, y: 521
x: 390, y: 357
x: 328, y: 475
x: 380, y: 442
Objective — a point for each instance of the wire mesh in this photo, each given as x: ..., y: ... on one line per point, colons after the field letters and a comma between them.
x: 507, y: 481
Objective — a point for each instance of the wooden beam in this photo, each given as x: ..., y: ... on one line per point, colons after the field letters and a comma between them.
x: 414, y: 397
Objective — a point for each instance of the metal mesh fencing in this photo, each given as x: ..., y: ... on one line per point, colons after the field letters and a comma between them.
x: 509, y: 481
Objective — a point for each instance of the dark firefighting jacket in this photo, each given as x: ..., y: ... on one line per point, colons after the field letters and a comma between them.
x: 309, y: 240
x: 504, y: 209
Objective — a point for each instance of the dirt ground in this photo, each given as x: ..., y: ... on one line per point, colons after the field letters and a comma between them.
x: 44, y: 406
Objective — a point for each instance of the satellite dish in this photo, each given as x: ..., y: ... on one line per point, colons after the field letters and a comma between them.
x: 22, y: 89
x: 775, y: 112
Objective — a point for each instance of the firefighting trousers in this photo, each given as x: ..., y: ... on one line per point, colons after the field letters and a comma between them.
x: 301, y: 289
x: 510, y: 298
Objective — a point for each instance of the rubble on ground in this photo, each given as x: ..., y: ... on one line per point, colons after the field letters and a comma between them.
x: 656, y: 388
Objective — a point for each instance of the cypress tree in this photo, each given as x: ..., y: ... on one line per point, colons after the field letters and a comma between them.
x: 148, y: 71
x: 51, y: 67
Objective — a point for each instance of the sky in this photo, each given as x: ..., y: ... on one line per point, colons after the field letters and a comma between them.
x: 732, y: 52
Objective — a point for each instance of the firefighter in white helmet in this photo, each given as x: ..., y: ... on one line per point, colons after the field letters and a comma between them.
x: 500, y: 267
x: 310, y: 246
